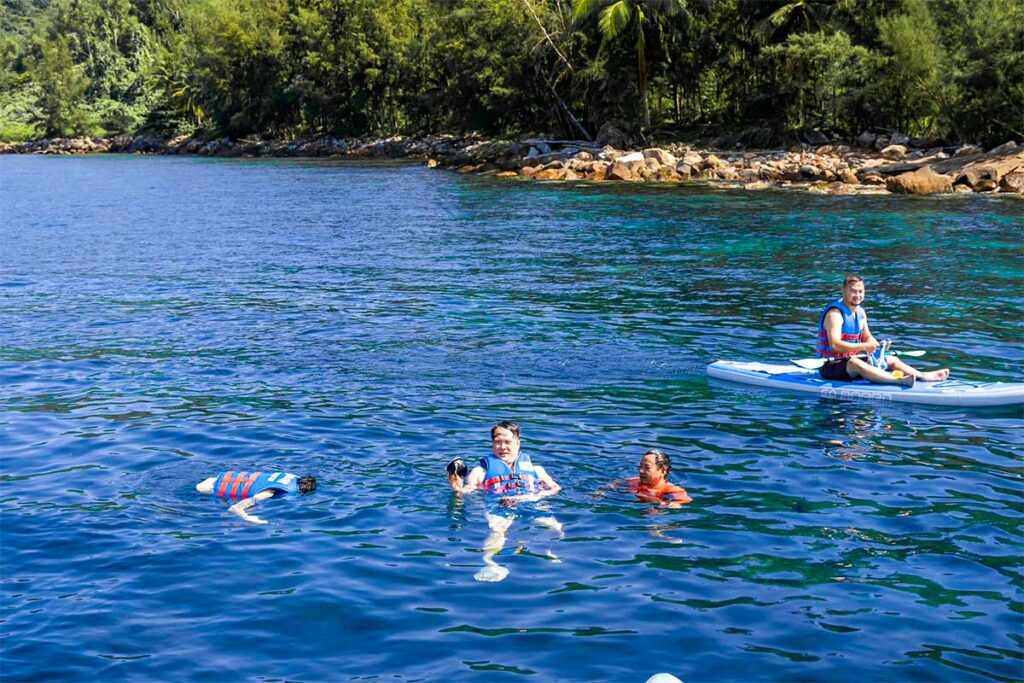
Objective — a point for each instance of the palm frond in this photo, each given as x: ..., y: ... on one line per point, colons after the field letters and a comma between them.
x: 615, y: 18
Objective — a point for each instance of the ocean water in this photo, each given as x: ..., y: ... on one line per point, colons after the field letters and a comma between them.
x: 164, y: 318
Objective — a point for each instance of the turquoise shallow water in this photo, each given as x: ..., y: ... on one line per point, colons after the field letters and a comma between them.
x: 164, y: 318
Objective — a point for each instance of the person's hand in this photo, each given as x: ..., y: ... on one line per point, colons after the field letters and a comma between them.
x: 870, y: 345
x: 455, y: 481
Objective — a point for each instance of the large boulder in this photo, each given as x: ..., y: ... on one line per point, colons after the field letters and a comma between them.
x: 848, y: 177
x: 632, y: 156
x: 813, y: 137
x: 693, y: 159
x: 894, y: 152
x: 866, y: 139
x: 598, y: 170
x: 610, y: 135
x: 898, y: 138
x: 1005, y: 148
x: 620, y: 171
x: 1012, y: 182
x: 661, y: 156
x: 713, y: 162
x: 922, y: 181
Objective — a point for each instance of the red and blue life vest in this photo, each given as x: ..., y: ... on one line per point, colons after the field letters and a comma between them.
x: 520, y: 479
x: 853, y: 330
x: 239, y: 485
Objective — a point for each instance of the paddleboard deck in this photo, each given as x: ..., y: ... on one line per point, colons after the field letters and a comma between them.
x: 950, y: 392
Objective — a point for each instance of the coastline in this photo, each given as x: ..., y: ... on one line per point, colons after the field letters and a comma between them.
x: 868, y: 165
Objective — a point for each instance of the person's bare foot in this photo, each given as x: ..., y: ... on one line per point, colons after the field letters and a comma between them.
x: 906, y: 380
x: 934, y: 375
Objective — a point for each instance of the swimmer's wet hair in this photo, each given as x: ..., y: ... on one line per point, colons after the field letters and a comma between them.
x: 307, y: 484
x: 505, y: 424
x: 661, y: 459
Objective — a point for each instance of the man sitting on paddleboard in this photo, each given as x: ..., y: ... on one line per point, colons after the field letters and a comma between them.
x: 844, y: 340
x: 248, y: 488
x: 512, y: 478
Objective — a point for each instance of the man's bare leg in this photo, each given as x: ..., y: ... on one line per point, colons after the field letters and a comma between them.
x: 858, y: 368
x: 492, y: 546
x: 931, y: 376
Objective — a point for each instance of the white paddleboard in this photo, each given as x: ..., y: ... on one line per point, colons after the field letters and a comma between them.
x: 950, y: 392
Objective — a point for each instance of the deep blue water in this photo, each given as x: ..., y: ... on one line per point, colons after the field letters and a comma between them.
x: 165, y: 318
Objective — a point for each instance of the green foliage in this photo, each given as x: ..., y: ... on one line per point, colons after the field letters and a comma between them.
x: 944, y: 68
x: 62, y: 87
x: 816, y: 77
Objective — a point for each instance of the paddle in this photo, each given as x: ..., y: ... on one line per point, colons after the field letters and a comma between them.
x: 815, y: 363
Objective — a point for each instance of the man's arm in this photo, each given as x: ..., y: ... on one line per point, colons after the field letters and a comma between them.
x: 241, y: 506
x: 206, y: 485
x: 471, y: 483
x: 834, y: 328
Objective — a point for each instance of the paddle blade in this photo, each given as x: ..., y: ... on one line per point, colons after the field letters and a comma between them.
x: 808, y: 363
x: 911, y: 354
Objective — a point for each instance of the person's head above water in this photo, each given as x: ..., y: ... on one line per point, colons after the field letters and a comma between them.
x: 505, y: 441
x: 654, y: 467
x: 307, y: 484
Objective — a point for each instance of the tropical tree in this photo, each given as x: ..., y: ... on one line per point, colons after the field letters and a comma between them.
x: 62, y: 86
x: 616, y: 17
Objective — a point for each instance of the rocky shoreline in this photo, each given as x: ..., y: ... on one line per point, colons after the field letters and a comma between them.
x: 870, y: 164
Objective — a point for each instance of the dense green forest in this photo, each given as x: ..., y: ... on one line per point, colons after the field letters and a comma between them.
x: 756, y: 69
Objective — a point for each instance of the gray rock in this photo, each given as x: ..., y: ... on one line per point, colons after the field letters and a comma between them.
x: 965, y: 150
x: 898, y: 138
x: 1004, y: 148
x: 866, y: 139
x: 610, y: 135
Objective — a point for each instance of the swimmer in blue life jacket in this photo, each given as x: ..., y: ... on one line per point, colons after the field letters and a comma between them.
x: 248, y: 488
x: 513, y: 478
x: 843, y: 336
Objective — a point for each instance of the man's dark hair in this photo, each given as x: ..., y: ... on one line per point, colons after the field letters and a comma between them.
x: 661, y: 459
x: 851, y: 279
x: 510, y: 426
x: 307, y: 484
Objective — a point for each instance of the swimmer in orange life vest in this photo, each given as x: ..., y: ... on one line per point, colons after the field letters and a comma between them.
x: 514, y: 479
x: 248, y: 488
x: 652, y: 486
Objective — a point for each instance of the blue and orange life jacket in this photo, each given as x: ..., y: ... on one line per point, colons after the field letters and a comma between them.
x: 853, y: 330
x: 239, y: 485
x: 520, y: 479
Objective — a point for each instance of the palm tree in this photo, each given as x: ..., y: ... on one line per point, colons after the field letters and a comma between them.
x: 616, y: 16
